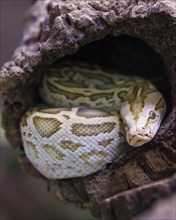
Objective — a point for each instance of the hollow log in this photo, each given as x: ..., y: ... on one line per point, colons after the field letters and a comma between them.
x: 132, y: 37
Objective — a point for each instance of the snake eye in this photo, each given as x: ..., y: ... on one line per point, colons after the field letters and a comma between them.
x: 152, y: 114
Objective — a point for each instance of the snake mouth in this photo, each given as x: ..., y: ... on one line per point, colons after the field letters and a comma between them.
x: 139, y: 139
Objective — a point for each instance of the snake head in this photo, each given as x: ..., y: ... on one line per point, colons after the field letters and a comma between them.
x: 142, y: 118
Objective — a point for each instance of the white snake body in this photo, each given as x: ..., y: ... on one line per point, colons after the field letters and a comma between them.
x: 89, y: 116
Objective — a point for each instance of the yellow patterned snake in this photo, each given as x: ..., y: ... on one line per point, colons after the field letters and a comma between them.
x: 90, y: 118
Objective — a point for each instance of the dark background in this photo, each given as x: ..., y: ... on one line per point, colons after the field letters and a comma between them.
x: 11, y: 13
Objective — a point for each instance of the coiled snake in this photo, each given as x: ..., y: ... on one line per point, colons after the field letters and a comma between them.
x: 90, y: 118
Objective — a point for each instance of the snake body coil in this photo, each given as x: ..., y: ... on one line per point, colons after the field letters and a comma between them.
x: 89, y: 116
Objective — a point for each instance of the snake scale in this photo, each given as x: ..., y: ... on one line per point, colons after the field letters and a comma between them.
x: 90, y: 117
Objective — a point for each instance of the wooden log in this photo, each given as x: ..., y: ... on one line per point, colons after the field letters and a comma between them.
x: 93, y: 31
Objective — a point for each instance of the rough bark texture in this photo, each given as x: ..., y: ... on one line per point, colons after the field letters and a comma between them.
x: 163, y: 209
x: 56, y: 29
x: 129, y: 203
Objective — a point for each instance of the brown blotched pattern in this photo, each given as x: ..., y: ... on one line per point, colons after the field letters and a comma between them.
x: 89, y: 129
x: 92, y: 113
x: 100, y: 154
x: 33, y: 147
x: 105, y: 143
x: 46, y: 127
x: 50, y: 150
x: 70, y: 145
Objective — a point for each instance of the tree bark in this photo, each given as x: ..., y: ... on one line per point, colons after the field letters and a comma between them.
x: 89, y: 31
